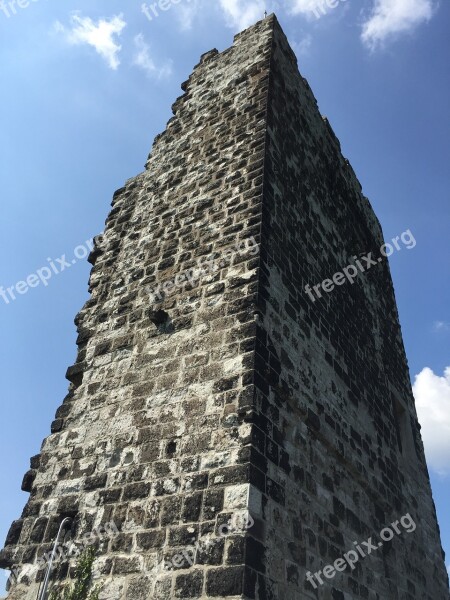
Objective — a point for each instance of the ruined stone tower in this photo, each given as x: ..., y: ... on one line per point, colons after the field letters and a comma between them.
x: 208, y: 383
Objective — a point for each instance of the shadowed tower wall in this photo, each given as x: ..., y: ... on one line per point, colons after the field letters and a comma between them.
x: 233, y: 390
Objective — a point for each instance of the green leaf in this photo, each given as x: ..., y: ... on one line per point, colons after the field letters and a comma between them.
x: 83, y: 579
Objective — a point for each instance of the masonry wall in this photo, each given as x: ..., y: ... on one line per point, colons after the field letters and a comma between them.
x: 148, y: 436
x: 341, y: 461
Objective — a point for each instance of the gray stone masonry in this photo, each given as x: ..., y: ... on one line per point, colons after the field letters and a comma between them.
x: 197, y: 396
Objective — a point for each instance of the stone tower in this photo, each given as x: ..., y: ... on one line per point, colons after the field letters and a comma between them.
x: 239, y: 432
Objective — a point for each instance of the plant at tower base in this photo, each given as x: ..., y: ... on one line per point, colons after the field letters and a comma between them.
x: 68, y: 549
x: 80, y: 590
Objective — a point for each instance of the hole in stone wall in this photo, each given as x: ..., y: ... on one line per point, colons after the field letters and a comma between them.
x: 162, y: 321
x: 159, y: 317
x: 171, y: 448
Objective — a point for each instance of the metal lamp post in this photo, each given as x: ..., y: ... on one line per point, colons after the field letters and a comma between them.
x: 42, y: 595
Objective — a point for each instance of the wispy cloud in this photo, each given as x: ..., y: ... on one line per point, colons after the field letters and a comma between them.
x: 101, y: 35
x: 242, y: 13
x: 303, y: 47
x: 440, y: 326
x: 307, y: 7
x: 432, y: 394
x: 186, y: 14
x: 144, y: 61
x: 392, y: 17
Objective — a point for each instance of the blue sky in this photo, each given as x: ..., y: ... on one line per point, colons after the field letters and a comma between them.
x: 86, y: 86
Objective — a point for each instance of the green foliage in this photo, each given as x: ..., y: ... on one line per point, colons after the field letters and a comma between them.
x: 83, y: 577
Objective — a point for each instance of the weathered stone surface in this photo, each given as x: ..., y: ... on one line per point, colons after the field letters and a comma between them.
x: 196, y: 396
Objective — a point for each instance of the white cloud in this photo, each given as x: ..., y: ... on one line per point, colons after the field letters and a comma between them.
x: 58, y: 27
x: 143, y: 59
x: 432, y: 394
x: 240, y: 14
x: 391, y: 17
x: 100, y: 35
x: 439, y: 326
x: 310, y: 8
x: 302, y: 6
x: 186, y: 14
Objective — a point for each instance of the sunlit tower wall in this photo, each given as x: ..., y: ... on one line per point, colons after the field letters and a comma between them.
x: 204, y: 392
